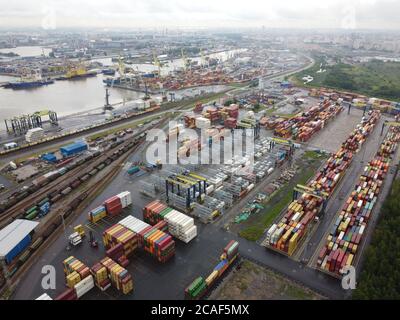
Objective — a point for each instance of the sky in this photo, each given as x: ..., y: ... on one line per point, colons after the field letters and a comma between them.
x: 108, y: 14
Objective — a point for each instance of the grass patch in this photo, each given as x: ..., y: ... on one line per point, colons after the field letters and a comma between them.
x: 239, y: 85
x: 313, y: 155
x: 297, y: 293
x: 282, y: 198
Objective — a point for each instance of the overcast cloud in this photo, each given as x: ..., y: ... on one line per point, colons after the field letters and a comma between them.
x: 347, y: 14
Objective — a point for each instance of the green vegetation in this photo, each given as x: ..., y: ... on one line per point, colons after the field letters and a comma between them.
x: 281, y: 200
x: 374, y: 78
x: 309, y: 162
x: 229, y: 102
x: 380, y: 278
x: 313, y: 155
x: 253, y: 233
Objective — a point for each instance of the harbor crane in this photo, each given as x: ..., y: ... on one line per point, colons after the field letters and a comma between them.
x: 390, y: 124
x: 157, y: 63
x: 186, y: 62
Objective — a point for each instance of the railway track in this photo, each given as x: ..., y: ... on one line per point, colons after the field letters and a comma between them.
x: 17, y: 210
x: 73, y: 204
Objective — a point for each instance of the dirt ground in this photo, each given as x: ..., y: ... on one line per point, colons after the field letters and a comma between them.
x: 253, y: 282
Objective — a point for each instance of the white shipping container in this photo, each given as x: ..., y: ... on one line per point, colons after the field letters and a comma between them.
x: 125, y: 198
x: 209, y: 189
x: 84, y: 286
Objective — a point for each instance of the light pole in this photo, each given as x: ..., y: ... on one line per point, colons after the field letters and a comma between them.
x: 65, y: 234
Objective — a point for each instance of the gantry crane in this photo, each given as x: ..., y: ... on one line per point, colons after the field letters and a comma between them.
x: 157, y: 63
x: 186, y: 62
x: 312, y: 192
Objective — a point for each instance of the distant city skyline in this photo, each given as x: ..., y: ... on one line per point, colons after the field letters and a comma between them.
x: 337, y: 14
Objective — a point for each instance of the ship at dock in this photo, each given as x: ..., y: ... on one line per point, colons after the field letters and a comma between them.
x: 28, y: 82
x: 77, y: 72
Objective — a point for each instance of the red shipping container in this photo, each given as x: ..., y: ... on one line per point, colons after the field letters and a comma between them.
x: 68, y: 294
x: 114, y: 210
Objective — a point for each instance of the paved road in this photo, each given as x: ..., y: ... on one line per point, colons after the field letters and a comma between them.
x: 346, y: 186
x: 153, y: 280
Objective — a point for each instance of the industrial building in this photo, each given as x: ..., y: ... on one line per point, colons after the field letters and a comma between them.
x: 14, y: 238
x: 73, y: 148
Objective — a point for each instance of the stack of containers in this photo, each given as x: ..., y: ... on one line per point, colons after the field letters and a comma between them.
x: 74, y: 271
x: 212, y: 114
x: 153, y: 240
x: 84, y: 286
x: 344, y: 238
x: 119, y: 276
x: 181, y: 226
x: 125, y: 198
x: 196, y: 289
x: 152, y: 212
x: 233, y: 111
x: 113, y: 206
x: 293, y: 226
x: 159, y: 244
x: 328, y: 177
x: 230, y: 123
x: 97, y: 214
x: 231, y: 250
x: 117, y: 254
x: 303, y: 126
x: 118, y: 234
x: 203, y: 123
x: 100, y: 276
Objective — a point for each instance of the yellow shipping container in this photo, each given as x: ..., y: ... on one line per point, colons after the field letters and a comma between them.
x: 72, y: 279
x: 293, y: 244
x: 350, y: 259
x: 212, y: 277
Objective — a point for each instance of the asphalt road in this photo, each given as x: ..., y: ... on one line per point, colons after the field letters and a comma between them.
x: 153, y: 280
x: 346, y: 186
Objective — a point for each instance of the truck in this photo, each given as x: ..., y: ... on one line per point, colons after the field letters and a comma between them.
x: 75, y: 239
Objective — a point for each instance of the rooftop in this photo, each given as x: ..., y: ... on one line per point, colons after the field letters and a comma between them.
x: 14, y: 233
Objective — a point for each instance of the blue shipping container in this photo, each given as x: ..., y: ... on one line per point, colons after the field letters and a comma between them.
x: 23, y: 244
x: 220, y: 265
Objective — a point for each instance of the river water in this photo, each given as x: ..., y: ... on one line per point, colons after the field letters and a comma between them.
x: 68, y: 97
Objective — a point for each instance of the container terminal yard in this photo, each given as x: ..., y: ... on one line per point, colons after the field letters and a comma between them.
x: 86, y: 194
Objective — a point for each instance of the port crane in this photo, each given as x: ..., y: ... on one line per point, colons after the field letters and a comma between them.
x: 157, y: 63
x: 186, y: 62
x: 390, y: 124
x: 312, y: 192
x: 204, y: 60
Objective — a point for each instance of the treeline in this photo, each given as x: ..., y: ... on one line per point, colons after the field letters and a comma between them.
x: 380, y: 277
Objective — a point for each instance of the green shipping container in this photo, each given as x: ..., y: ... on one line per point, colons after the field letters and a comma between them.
x: 195, y: 284
x: 31, y: 210
x: 133, y: 170
x: 32, y: 215
x: 165, y: 212
x: 199, y: 290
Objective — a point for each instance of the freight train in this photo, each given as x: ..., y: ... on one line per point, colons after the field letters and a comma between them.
x: 55, y: 195
x: 200, y: 287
